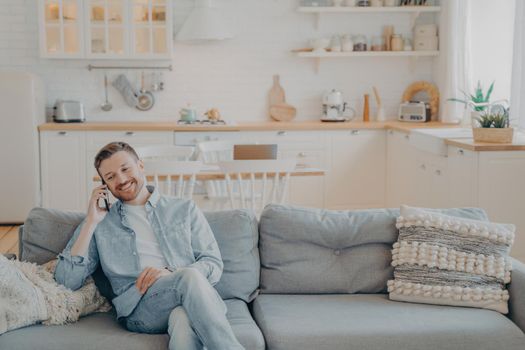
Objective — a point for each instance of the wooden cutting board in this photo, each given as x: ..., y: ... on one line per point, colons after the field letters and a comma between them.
x: 276, y: 92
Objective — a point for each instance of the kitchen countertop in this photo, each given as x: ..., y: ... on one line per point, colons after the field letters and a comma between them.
x: 517, y: 145
x: 247, y: 126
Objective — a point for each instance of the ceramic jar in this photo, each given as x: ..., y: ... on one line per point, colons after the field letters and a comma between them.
x: 396, y: 43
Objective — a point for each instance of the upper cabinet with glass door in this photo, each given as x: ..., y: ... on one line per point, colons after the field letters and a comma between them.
x: 106, y: 29
x: 151, y: 29
x: 107, y: 33
x: 61, y: 29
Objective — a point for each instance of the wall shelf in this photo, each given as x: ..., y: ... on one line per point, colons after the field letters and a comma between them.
x: 368, y: 54
x: 395, y: 9
x: 414, y: 11
x: 414, y: 55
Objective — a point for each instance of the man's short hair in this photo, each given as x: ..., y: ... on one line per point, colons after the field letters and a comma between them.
x: 110, y: 149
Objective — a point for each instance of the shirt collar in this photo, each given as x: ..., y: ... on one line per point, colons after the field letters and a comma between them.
x: 155, y: 195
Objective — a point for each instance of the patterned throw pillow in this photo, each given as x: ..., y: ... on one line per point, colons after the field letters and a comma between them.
x: 445, y: 260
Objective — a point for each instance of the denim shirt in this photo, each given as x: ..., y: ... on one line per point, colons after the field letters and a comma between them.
x: 185, y: 239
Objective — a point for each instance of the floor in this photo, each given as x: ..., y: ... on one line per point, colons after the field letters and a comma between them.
x: 8, y: 239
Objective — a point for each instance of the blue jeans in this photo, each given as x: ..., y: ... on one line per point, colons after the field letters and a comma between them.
x: 186, y: 306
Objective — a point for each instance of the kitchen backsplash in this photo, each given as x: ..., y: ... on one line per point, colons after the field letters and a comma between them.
x: 233, y: 76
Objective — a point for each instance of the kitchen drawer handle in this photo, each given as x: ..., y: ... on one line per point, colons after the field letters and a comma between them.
x: 391, y: 132
x: 130, y: 133
x: 354, y: 132
x: 281, y: 133
x: 461, y: 152
x: 63, y: 133
x: 407, y: 137
x: 438, y: 172
x: 302, y: 154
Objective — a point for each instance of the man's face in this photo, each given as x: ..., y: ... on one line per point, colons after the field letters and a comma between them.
x: 123, y: 174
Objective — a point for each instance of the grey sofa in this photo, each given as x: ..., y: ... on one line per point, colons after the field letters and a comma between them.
x: 298, y: 279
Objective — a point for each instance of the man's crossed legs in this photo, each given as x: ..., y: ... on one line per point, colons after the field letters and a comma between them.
x: 189, y: 308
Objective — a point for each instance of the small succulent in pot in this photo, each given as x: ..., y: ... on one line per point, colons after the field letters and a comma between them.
x: 497, y: 120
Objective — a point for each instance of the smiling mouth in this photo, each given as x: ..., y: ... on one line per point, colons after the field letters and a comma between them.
x: 126, y: 187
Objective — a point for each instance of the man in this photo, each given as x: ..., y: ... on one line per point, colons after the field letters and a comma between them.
x: 158, y: 252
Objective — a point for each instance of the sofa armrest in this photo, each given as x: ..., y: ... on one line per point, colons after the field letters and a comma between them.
x: 517, y: 294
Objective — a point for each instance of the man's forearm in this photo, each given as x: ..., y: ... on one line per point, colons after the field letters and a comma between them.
x: 81, y: 245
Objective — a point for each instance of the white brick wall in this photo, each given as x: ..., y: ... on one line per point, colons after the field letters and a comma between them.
x: 234, y: 75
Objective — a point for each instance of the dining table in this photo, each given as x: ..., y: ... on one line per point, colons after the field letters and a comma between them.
x: 212, y: 172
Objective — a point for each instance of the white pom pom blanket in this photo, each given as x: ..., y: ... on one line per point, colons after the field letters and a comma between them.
x: 29, y: 294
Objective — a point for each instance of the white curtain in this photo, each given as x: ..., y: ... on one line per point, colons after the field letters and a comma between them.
x: 453, y: 69
x: 517, y: 99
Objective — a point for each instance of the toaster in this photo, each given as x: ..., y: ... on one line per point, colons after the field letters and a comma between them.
x: 69, y: 112
x: 414, y: 111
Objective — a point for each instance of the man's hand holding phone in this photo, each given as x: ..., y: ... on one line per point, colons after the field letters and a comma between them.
x: 95, y: 213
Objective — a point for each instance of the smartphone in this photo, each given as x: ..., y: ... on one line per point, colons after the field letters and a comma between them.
x: 106, y: 201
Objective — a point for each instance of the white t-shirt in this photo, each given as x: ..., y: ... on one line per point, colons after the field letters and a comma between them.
x: 148, y: 247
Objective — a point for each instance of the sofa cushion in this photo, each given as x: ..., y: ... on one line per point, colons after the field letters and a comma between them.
x: 308, y: 251
x: 444, y: 260
x: 102, y: 331
x: 243, y: 325
x: 361, y: 321
x: 46, y: 232
x: 237, y: 234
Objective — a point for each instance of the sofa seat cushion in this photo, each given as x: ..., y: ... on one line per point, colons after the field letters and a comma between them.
x: 371, y: 321
x: 102, y: 331
x: 243, y: 325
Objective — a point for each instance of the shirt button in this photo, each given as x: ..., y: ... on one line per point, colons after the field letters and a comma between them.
x: 134, y: 253
x: 337, y: 252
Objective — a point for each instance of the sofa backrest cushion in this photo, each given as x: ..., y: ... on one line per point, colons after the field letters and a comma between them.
x: 237, y: 234
x: 46, y: 232
x: 314, y: 251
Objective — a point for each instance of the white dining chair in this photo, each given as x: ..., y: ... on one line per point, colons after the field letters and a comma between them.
x: 210, y: 153
x: 166, y: 152
x: 255, y: 183
x: 172, y: 177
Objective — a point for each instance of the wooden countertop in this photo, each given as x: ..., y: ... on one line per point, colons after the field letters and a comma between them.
x: 248, y: 126
x: 468, y: 144
x: 518, y: 144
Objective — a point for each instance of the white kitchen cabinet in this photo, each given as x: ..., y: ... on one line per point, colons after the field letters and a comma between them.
x: 430, y: 185
x: 502, y: 191
x: 462, y: 177
x: 151, y: 28
x: 401, y: 173
x: 63, y: 169
x: 356, y: 175
x: 106, y: 29
x: 61, y: 32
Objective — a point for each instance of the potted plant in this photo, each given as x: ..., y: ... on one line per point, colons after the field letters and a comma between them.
x: 479, y: 101
x: 493, y: 127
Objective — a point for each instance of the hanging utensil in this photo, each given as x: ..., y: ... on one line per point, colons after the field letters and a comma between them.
x: 145, y: 98
x: 106, y: 106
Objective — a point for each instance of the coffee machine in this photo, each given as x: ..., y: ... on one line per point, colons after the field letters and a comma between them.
x: 334, y: 107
